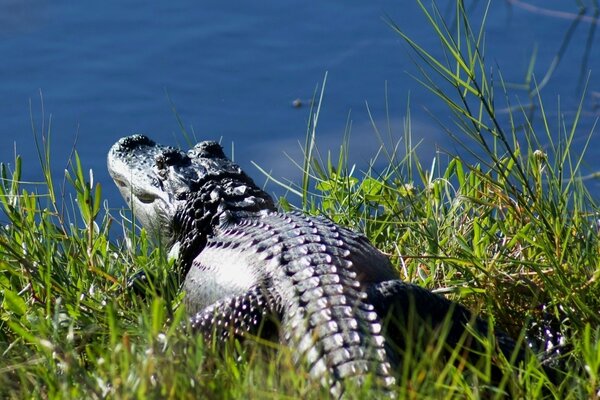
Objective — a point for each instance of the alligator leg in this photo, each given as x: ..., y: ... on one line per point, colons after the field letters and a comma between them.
x: 401, y: 304
x: 249, y: 314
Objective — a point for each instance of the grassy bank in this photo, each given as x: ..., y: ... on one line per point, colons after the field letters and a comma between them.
x: 513, y: 236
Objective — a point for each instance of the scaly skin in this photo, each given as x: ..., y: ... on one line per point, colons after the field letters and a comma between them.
x: 323, y: 290
x: 308, y: 273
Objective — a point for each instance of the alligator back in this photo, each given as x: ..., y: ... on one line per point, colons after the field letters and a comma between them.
x: 313, y: 274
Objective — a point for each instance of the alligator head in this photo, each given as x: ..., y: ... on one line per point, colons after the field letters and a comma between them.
x: 153, y: 179
x: 180, y: 196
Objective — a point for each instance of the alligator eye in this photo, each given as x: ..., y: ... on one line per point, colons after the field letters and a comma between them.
x: 120, y: 183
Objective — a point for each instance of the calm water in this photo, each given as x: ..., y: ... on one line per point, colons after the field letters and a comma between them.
x: 103, y: 70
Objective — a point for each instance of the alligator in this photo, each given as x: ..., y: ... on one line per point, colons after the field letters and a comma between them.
x: 248, y: 269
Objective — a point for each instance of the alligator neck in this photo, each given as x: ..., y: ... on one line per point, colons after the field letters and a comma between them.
x: 214, y: 205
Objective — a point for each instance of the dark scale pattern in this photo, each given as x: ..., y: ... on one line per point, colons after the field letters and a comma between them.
x: 311, y: 273
x: 235, y: 316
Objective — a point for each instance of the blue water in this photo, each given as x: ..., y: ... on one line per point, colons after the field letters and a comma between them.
x: 92, y: 72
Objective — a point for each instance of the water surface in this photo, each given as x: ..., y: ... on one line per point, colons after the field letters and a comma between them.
x: 92, y: 72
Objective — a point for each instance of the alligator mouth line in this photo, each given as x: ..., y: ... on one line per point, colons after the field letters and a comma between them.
x: 146, y: 198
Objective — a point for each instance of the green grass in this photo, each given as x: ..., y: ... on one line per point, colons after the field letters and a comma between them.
x: 509, y: 235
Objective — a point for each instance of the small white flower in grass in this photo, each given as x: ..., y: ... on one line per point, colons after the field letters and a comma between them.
x: 407, y: 188
x: 162, y: 339
x: 540, y: 155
